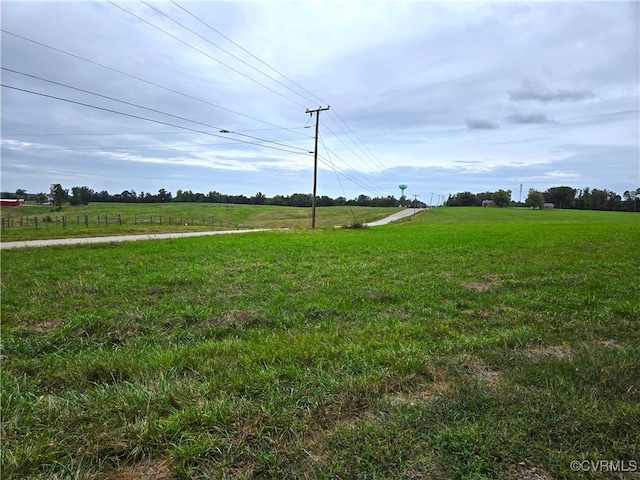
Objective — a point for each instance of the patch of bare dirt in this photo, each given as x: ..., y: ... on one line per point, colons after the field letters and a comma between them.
x: 531, y: 473
x: 489, y: 376
x: 426, y: 393
x: 610, y: 344
x: 555, y: 351
x: 488, y: 284
x: 146, y: 469
x: 236, y: 319
x: 44, y: 326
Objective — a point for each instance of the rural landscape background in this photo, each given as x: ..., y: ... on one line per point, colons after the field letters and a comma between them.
x: 458, y: 343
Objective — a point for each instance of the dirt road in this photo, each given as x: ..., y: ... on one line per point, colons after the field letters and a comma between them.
x: 162, y: 236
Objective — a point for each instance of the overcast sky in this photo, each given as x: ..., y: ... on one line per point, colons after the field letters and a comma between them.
x: 445, y: 97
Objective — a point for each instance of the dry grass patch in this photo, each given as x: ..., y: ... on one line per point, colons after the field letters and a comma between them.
x: 146, y: 469
x: 610, y: 344
x: 439, y: 387
x: 236, y: 319
x: 556, y: 351
x: 532, y: 473
x: 488, y: 284
x: 479, y: 370
x: 44, y: 326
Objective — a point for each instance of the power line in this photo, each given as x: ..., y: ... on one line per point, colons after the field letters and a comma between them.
x: 129, y: 147
x: 205, y: 53
x: 147, y: 119
x: 220, y: 48
x: 147, y: 108
x: 251, y: 54
x: 346, y: 175
x: 144, y: 80
x: 382, y: 166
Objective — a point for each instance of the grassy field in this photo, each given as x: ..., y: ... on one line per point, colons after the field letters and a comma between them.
x: 139, y: 218
x: 461, y: 344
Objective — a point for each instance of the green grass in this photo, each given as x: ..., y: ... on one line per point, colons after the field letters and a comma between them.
x: 462, y: 343
x: 135, y: 218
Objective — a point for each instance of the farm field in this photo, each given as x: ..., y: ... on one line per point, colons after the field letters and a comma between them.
x: 106, y: 219
x: 462, y: 343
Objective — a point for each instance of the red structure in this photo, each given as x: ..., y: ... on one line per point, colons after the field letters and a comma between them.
x: 10, y: 202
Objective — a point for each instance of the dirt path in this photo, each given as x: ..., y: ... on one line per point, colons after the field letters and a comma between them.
x: 162, y: 236
x: 396, y: 216
x: 117, y: 238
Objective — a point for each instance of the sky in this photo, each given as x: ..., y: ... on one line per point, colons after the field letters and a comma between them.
x: 214, y: 96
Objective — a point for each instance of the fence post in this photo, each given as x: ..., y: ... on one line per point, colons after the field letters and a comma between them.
x: 160, y: 219
x: 119, y: 220
x: 64, y: 221
x: 36, y: 219
x: 86, y: 220
x: 135, y: 220
x: 3, y: 224
x: 151, y: 219
x: 106, y: 220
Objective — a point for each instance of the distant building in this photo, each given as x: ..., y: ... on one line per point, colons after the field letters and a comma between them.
x: 548, y: 206
x: 11, y: 202
x: 488, y: 203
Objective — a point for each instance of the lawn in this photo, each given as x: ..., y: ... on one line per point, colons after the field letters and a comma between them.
x: 462, y: 343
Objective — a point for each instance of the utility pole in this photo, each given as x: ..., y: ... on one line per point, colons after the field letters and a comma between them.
x: 415, y: 203
x: 315, y: 164
x: 431, y: 200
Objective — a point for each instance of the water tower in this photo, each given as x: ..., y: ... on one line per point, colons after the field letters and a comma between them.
x: 403, y: 187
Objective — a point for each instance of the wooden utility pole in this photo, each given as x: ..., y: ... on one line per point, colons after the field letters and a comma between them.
x: 315, y: 165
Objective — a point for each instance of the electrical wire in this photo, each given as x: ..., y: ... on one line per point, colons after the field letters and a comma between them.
x: 224, y: 50
x: 375, y: 159
x: 147, y: 108
x: 144, y: 80
x: 251, y: 54
x: 146, y: 119
x: 205, y: 54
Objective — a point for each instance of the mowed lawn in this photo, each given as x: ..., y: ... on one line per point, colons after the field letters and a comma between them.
x: 462, y: 343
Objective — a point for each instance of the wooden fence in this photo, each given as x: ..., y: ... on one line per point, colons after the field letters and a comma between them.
x: 105, y: 220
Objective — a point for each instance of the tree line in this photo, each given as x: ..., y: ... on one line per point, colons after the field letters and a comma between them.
x: 84, y: 195
x: 561, y: 197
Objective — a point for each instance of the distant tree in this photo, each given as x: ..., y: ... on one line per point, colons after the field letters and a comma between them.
x: 277, y: 200
x: 258, y: 199
x: 80, y: 195
x: 363, y: 200
x: 535, y: 199
x: 561, y: 197
x: 21, y: 193
x: 59, y: 195
x: 502, y: 198
x: 128, y: 196
x: 41, y: 198
x: 164, y: 196
x: 324, y: 201
x: 463, y: 199
x: 631, y: 199
x: 300, y: 200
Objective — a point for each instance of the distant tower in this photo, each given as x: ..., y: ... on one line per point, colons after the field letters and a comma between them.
x: 403, y: 187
